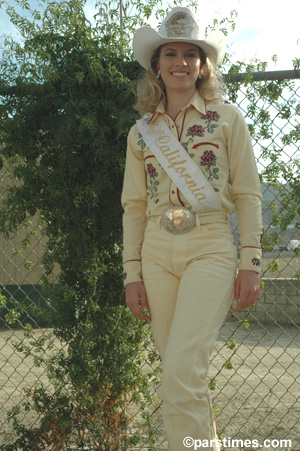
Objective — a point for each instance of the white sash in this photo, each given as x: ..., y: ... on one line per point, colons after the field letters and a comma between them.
x: 179, y: 166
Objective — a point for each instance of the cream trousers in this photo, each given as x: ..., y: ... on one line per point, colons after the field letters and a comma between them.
x: 189, y: 283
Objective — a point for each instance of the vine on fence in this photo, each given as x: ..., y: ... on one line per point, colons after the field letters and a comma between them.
x: 279, y: 155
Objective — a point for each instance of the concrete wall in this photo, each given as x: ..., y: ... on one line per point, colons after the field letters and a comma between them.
x: 13, y: 262
x: 279, y: 303
x: 20, y: 264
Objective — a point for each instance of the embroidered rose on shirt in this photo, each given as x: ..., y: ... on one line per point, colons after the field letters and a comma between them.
x: 256, y: 261
x: 195, y: 130
x: 151, y: 170
x: 212, y: 115
x: 210, y: 118
x: 153, y: 183
x: 199, y: 130
x: 209, y: 159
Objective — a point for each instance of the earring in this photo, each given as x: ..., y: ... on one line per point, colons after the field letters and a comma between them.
x: 199, y: 77
x: 158, y: 74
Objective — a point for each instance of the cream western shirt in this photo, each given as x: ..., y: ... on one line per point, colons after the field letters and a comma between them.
x: 216, y: 137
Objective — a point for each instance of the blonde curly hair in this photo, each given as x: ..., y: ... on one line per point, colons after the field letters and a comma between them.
x: 150, y: 90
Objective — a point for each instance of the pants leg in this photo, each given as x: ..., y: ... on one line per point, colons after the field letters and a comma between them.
x: 196, y: 323
x: 189, y: 295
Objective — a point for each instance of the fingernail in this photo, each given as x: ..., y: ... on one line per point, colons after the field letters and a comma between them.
x: 234, y: 304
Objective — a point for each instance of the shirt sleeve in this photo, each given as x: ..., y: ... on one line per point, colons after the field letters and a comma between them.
x: 134, y: 203
x: 245, y: 192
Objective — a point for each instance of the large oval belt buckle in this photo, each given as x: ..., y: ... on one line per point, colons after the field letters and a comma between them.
x: 178, y: 220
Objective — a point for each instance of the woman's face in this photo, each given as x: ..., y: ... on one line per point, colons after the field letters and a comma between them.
x: 179, y: 64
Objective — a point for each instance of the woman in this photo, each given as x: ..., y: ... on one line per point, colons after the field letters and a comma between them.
x: 189, y: 163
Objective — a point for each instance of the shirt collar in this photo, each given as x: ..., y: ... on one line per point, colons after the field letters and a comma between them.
x: 196, y: 101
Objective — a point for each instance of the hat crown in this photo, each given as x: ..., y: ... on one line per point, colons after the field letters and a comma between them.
x: 179, y: 23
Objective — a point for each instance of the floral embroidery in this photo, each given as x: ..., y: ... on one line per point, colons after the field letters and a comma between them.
x: 124, y: 275
x: 141, y: 141
x: 212, y: 115
x: 195, y: 130
x: 199, y: 130
x: 256, y: 261
x: 151, y: 170
x: 209, y: 159
x: 153, y: 183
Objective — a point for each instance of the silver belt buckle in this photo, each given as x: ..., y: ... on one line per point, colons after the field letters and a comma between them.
x: 178, y: 220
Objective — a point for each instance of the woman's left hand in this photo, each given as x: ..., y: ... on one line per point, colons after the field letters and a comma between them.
x: 246, y: 289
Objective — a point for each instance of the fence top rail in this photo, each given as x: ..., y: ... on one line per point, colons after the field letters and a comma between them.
x: 264, y: 76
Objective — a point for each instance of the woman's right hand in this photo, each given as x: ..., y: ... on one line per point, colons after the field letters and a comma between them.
x: 136, y: 299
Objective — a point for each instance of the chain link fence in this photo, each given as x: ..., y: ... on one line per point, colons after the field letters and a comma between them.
x: 255, y: 367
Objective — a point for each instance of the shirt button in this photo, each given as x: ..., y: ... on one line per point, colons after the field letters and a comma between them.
x: 173, y: 192
x: 172, y: 126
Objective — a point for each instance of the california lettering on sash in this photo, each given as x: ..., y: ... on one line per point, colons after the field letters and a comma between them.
x: 180, y: 170
x: 184, y: 172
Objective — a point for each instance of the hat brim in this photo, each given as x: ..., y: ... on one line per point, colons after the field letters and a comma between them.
x: 146, y: 40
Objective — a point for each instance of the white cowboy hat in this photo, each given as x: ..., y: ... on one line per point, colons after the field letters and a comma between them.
x: 180, y: 25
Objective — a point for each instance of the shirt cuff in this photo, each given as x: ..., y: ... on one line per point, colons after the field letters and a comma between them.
x: 132, y: 271
x: 251, y: 259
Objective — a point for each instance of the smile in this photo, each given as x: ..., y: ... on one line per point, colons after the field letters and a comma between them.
x: 180, y: 74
